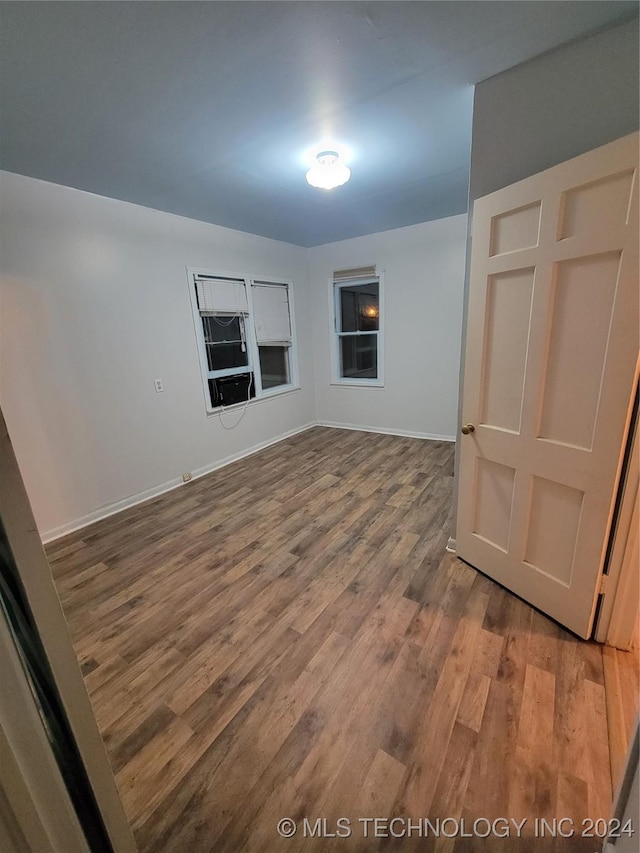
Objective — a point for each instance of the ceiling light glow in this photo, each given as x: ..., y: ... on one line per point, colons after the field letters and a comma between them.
x: 328, y: 172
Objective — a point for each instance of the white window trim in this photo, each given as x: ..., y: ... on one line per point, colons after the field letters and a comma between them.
x: 336, y: 379
x: 253, y: 365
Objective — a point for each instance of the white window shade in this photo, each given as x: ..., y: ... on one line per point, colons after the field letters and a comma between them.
x: 355, y: 273
x: 225, y: 295
x: 271, y: 313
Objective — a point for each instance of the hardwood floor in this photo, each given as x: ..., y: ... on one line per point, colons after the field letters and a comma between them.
x: 286, y: 637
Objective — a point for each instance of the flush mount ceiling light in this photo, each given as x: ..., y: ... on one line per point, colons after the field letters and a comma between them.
x: 328, y: 172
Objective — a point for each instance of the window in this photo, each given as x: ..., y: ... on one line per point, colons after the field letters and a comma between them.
x: 357, y: 351
x: 273, y: 332
x: 245, y: 337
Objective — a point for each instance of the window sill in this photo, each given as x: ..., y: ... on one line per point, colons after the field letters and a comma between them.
x: 355, y: 384
x: 269, y: 395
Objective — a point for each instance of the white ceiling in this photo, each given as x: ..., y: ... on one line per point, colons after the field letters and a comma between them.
x: 206, y: 109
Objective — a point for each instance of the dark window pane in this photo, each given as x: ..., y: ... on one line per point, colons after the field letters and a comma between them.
x: 359, y: 356
x: 359, y: 308
x: 274, y: 366
x: 223, y: 356
x: 221, y: 329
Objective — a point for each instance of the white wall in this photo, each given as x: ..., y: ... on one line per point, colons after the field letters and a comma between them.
x: 554, y: 107
x: 424, y: 276
x: 94, y: 305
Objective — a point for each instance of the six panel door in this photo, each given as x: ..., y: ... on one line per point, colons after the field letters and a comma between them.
x: 551, y: 356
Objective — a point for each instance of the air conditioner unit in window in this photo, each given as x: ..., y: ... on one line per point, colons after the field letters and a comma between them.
x: 231, y: 389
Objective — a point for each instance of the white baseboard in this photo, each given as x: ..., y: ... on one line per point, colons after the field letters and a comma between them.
x: 107, y: 510
x: 207, y: 469
x: 451, y: 545
x: 384, y: 431
x: 140, y: 497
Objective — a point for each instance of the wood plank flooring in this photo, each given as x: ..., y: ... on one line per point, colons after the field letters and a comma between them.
x: 286, y: 637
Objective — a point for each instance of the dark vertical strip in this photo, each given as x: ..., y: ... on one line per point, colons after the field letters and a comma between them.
x: 633, y: 426
x: 17, y: 612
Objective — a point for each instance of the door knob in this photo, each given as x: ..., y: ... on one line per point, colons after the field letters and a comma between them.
x: 467, y: 428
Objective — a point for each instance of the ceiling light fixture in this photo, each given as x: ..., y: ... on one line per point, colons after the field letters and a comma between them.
x: 328, y: 172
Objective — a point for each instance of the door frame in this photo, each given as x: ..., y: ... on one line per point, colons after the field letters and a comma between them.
x: 35, y: 809
x: 39, y: 590
x: 618, y: 612
x: 625, y: 802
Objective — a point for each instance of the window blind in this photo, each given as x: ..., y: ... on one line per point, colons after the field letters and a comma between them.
x: 224, y: 295
x: 271, y: 313
x: 355, y: 273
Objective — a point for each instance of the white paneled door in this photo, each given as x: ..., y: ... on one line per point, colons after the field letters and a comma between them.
x: 551, y: 356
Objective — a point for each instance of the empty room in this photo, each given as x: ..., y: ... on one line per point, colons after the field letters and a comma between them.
x: 319, y: 473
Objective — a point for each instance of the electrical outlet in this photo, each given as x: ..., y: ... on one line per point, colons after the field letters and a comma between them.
x: 186, y: 477
x: 157, y: 384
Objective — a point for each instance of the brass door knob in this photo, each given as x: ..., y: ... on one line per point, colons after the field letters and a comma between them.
x: 467, y: 428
